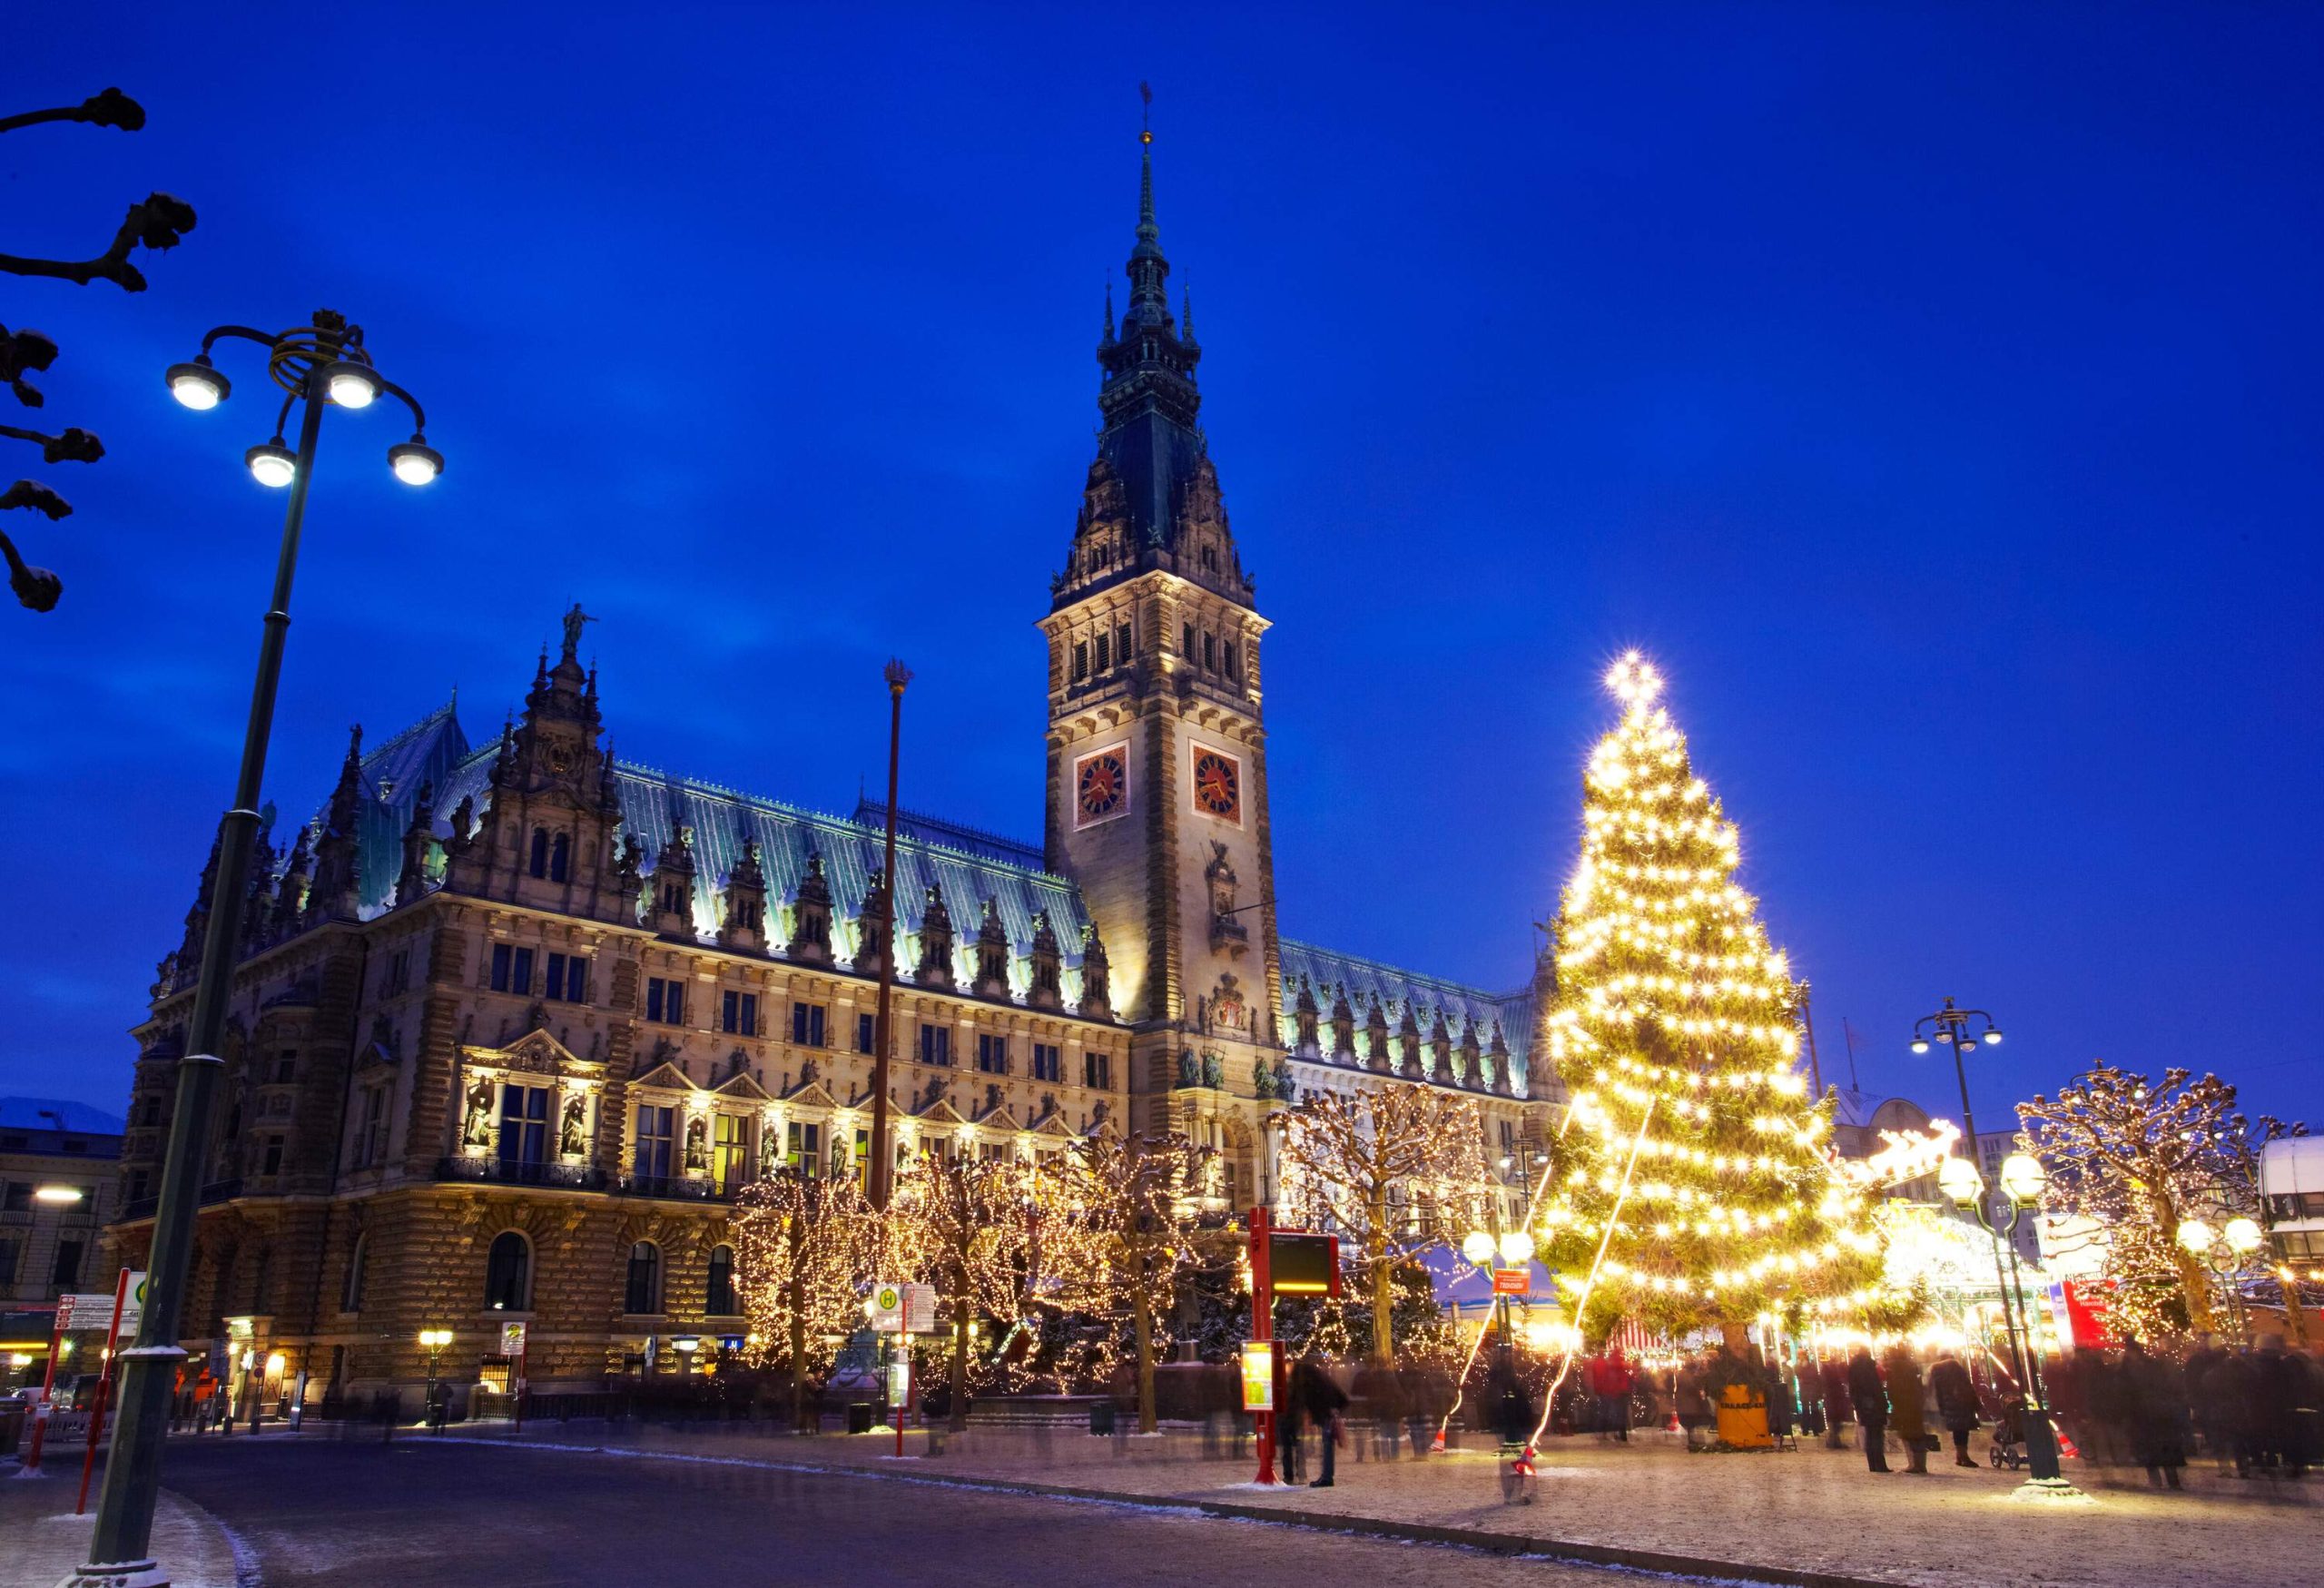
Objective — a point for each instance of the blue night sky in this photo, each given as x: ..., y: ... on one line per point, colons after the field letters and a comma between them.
x: 1932, y: 392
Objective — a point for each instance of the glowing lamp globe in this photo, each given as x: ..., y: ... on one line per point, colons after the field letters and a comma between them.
x: 2242, y: 1236
x: 1992, y: 1038
x: 1478, y: 1248
x: 414, y: 462
x: 273, y: 464
x: 350, y: 385
x: 2195, y: 1236
x: 2023, y: 1176
x: 1958, y: 1179
x: 1517, y: 1247
x: 198, y: 386
x: 1920, y: 1044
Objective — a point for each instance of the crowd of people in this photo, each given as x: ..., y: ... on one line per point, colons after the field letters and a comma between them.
x: 2254, y: 1411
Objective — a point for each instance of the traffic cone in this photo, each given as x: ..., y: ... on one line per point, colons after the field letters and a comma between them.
x: 1436, y: 1446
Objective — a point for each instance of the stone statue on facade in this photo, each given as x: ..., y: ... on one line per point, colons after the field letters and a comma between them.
x: 570, y: 1142
x: 475, y: 1127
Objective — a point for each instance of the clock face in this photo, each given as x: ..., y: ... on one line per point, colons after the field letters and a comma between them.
x: 1101, y: 787
x: 1218, y: 784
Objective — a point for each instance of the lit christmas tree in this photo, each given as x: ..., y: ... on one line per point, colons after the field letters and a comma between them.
x: 1694, y: 1179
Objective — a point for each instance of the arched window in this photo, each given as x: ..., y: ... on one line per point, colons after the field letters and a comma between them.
x: 539, y: 867
x: 721, y: 1302
x: 643, y: 1294
x: 560, y: 857
x: 508, y: 1274
x: 350, y: 1294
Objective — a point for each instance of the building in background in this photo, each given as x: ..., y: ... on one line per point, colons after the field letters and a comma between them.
x: 515, y: 1022
x: 58, y: 1180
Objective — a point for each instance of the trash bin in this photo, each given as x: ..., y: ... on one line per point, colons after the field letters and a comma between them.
x: 859, y: 1416
x: 1101, y: 1418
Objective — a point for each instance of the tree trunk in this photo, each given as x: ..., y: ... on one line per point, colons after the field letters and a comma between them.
x: 2193, y: 1278
x: 2295, y: 1324
x: 959, y: 1418
x: 1383, y: 1338
x: 798, y: 1353
x: 1142, y: 1319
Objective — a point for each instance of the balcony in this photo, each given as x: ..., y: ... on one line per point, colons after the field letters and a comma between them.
x: 674, y: 1188
x: 566, y: 1176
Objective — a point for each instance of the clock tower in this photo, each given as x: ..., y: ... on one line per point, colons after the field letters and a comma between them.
x: 1157, y: 788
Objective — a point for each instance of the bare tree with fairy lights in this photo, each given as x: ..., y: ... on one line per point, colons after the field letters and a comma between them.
x: 1394, y: 1170
x: 807, y: 1247
x: 2138, y: 1158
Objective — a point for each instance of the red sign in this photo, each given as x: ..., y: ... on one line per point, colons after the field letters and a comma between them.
x: 1512, y: 1281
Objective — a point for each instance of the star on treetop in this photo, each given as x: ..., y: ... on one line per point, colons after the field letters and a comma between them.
x: 1633, y: 681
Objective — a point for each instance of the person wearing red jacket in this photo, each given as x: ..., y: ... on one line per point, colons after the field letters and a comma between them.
x: 1614, y: 1377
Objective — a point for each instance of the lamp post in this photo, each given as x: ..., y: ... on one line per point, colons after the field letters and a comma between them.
x: 433, y: 1342
x: 2023, y: 1181
x: 319, y: 364
x: 1512, y: 1247
x: 1963, y: 1030
x: 2226, y: 1251
x: 883, y: 1161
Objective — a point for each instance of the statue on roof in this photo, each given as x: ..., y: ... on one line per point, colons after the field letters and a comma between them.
x: 573, y: 622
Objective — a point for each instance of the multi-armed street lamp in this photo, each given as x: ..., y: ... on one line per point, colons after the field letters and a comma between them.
x: 1963, y: 1030
x: 433, y: 1342
x: 1514, y: 1248
x: 323, y: 364
x: 2225, y: 1251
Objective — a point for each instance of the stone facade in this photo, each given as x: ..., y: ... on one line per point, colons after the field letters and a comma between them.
x: 514, y: 1024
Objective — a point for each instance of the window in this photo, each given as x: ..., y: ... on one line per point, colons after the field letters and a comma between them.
x: 1188, y: 649
x: 803, y: 1147
x: 1508, y: 1136
x: 141, y: 1186
x: 1234, y: 654
x: 674, y: 897
x: 1105, y: 651
x: 398, y: 976
x: 372, y: 1126
x: 1210, y: 559
x: 992, y: 1053
x: 508, y: 1274
x: 867, y: 1033
x: 642, y: 1292
x: 1209, y: 651
x: 539, y: 866
x: 730, y: 1157
x: 351, y: 1293
x: 1048, y: 1061
x: 657, y: 1131
x: 67, y: 1275
x: 512, y: 970
x: 17, y: 1197
x: 524, y: 1125
x: 666, y: 1000
x: 568, y: 978
x: 992, y: 1151
x: 1121, y: 642
x: 739, y: 1014
x: 862, y: 1153
x: 560, y: 857
x: 720, y: 1301
x: 807, y: 1024
x: 1097, y: 1070
x: 935, y: 1043
x: 270, y: 1157
x: 286, y: 1071
x: 1080, y: 660
x: 11, y: 1252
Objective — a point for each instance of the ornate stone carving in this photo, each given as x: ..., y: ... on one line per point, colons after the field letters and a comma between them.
x: 1228, y: 934
x: 811, y: 931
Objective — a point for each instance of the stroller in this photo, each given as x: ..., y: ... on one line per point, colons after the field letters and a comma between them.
x: 2009, y: 1437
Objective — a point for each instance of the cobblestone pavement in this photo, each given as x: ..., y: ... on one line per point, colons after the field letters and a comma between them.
x: 42, y: 1543
x: 1810, y: 1509
x: 451, y: 1514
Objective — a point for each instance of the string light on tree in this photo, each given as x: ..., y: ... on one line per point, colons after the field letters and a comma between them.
x: 1697, y: 1176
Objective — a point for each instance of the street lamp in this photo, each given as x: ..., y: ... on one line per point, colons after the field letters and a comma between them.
x: 433, y: 1342
x: 1963, y: 1030
x: 2226, y: 1251
x: 314, y: 364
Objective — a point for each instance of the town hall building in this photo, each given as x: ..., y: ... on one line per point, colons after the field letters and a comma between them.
x: 517, y: 1020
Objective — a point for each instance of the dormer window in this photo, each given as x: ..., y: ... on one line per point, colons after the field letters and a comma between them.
x: 1104, y: 652
x: 1080, y: 660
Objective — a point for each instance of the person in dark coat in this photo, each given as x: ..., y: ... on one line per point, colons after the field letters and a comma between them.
x: 1956, y: 1402
x: 1512, y: 1407
x: 1834, y: 1373
x: 1869, y: 1396
x: 2155, y: 1403
x: 1321, y: 1401
x: 2223, y: 1398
